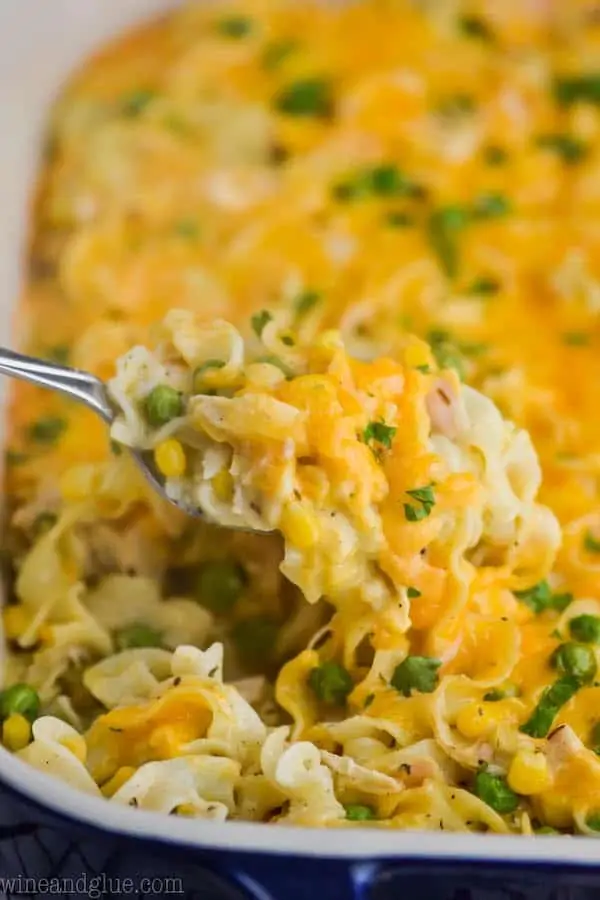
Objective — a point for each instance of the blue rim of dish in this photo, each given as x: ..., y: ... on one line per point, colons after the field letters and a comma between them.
x: 69, y: 804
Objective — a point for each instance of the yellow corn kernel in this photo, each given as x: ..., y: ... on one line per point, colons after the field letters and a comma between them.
x: 222, y: 484
x: 170, y: 458
x: 46, y: 634
x: 76, y: 744
x: 16, y: 732
x: 186, y: 809
x: 528, y: 773
x: 120, y: 777
x: 299, y: 525
x: 16, y: 621
x: 478, y: 719
x: 417, y: 354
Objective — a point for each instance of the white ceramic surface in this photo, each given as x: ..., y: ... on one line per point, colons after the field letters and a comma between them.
x: 41, y: 41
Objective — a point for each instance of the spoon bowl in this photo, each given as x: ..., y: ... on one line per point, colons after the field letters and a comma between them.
x: 85, y: 388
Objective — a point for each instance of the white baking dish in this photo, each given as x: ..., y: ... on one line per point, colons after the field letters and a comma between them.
x: 40, y: 43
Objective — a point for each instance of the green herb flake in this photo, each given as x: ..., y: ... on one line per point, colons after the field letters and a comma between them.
x: 549, y: 705
x: 276, y: 52
x: 494, y: 155
x: 472, y: 26
x: 576, y: 339
x: 412, y: 593
x: 115, y: 448
x: 491, y: 206
x: 380, y: 433
x: 416, y: 673
x: 484, y: 286
x: 583, y: 88
x: 368, y: 700
x: 234, y: 26
x: 446, y: 353
x: 46, y: 430
x: 494, y: 791
x: 259, y: 320
x: 399, y: 220
x: 308, y: 97
x: 501, y: 693
x: 306, y: 301
x: 540, y: 597
x: 136, y: 102
x: 591, y: 544
x: 569, y: 149
x: 444, y: 229
x: 425, y: 498
x: 60, y: 354
x: 186, y: 228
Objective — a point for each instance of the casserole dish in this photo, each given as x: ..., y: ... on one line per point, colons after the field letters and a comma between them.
x: 50, y: 831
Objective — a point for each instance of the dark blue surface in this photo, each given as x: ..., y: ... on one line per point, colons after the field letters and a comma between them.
x: 36, y: 843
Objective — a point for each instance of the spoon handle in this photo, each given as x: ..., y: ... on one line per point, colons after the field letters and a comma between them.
x: 74, y: 383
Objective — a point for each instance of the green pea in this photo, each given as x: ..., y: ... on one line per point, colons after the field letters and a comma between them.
x: 137, y: 635
x: 357, y: 812
x: 585, y: 628
x: 576, y: 660
x: 255, y: 638
x: 494, y: 791
x: 46, y: 430
x: 331, y: 682
x: 162, y: 404
x: 20, y: 698
x: 593, y: 821
x: 220, y: 584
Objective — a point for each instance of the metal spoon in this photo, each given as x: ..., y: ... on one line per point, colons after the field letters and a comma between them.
x: 90, y: 391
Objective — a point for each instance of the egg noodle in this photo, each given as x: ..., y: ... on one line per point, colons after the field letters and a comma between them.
x: 338, y: 264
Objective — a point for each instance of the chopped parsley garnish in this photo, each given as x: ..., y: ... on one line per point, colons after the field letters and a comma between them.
x: 484, y: 286
x: 380, y: 432
x: 278, y: 51
x: 549, y: 705
x: 446, y: 354
x: 541, y: 597
x: 591, y: 544
x: 234, y: 26
x: 495, y: 155
x: 259, y: 320
x: 491, y: 206
x: 331, y: 682
x: 494, y: 791
x: 570, y: 149
x: 59, y: 354
x: 416, y: 673
x: 475, y: 27
x: 46, y: 430
x: 456, y: 106
x: 425, y: 499
x: 399, y: 220
x: 585, y: 628
x: 135, y: 103
x: 368, y: 700
x: 357, y: 812
x: 444, y: 228
x: 306, y: 301
x: 383, y: 181
x: 576, y: 338
x: 186, y: 228
x: 412, y: 593
x: 584, y: 88
x: 310, y: 97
